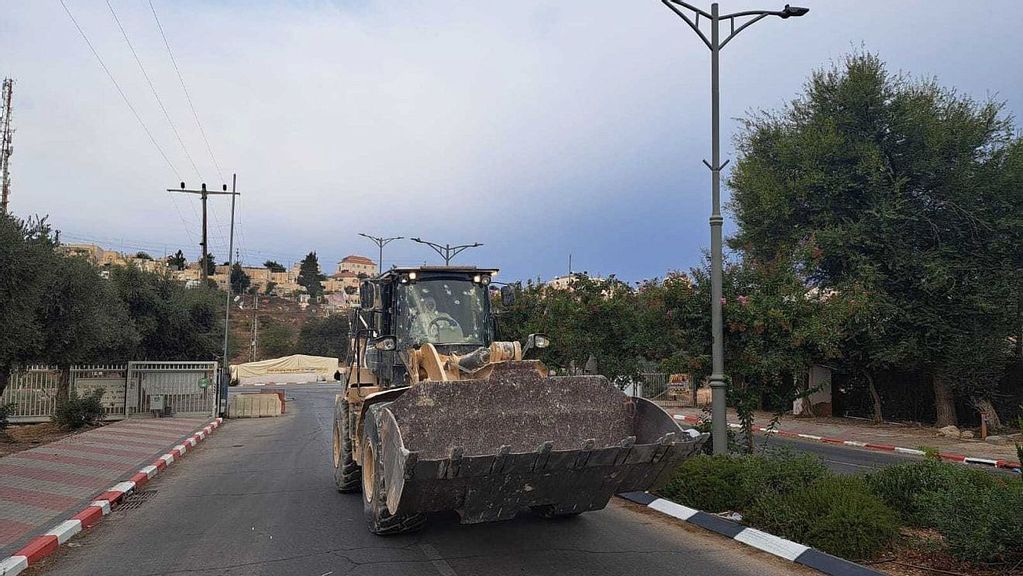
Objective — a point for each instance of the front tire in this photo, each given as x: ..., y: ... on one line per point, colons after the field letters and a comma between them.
x: 374, y: 493
x: 347, y: 475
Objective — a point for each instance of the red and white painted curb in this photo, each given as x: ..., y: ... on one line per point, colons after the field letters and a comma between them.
x: 1006, y: 464
x: 42, y: 546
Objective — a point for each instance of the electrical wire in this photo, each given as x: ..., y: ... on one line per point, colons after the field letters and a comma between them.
x: 184, y: 88
x: 119, y: 90
x: 133, y: 111
x: 152, y: 88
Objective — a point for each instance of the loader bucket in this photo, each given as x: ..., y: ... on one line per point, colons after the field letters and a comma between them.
x: 490, y: 448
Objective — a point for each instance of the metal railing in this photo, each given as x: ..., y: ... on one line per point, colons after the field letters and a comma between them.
x: 185, y: 387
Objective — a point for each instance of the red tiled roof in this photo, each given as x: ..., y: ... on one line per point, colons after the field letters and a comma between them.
x: 346, y: 274
x: 358, y: 260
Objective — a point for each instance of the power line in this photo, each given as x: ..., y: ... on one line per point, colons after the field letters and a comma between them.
x: 152, y: 88
x: 119, y: 91
x: 185, y: 89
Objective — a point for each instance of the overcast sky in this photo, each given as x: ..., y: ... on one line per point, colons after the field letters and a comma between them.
x: 539, y: 128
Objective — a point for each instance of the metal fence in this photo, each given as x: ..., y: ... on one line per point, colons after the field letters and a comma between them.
x: 181, y: 387
x: 33, y: 392
x: 186, y: 388
x: 660, y: 388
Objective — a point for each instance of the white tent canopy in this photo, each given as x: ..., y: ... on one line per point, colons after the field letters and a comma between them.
x: 293, y: 369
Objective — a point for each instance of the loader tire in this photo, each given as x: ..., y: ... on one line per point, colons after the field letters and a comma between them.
x: 548, y: 511
x: 374, y: 493
x: 347, y: 475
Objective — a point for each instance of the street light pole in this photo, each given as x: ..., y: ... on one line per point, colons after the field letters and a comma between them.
x: 381, y: 242
x: 718, y: 381
x: 447, y: 251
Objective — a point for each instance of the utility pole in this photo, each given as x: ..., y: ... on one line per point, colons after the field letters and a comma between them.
x: 718, y: 381
x: 255, y: 323
x: 6, y: 148
x: 381, y: 242
x: 204, y: 193
x: 447, y: 251
x: 230, y: 249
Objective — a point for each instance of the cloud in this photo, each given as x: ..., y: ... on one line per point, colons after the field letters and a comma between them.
x: 537, y: 128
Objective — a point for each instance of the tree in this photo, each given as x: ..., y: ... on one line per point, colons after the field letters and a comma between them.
x: 240, y: 281
x: 83, y: 320
x: 26, y: 258
x: 178, y: 260
x: 885, y: 190
x: 143, y: 256
x: 325, y: 337
x: 309, y: 275
x: 273, y: 266
x: 593, y: 318
x: 276, y: 339
x: 211, y: 264
x: 172, y: 322
x: 270, y: 285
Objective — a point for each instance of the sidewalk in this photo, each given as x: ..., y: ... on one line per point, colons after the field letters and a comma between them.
x: 45, y: 485
x: 864, y: 434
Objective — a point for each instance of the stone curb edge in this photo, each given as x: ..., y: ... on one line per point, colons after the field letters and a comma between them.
x: 780, y: 547
x: 42, y: 546
x: 1006, y: 464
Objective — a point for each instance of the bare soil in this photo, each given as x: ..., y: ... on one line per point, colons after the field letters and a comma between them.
x: 921, y: 552
x: 20, y: 437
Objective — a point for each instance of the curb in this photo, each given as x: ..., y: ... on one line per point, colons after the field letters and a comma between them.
x: 780, y: 547
x: 1005, y: 464
x: 42, y: 546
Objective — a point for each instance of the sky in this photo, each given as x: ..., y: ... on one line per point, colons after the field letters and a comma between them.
x: 541, y: 129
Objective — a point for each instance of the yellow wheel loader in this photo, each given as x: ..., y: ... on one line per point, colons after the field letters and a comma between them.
x: 437, y: 415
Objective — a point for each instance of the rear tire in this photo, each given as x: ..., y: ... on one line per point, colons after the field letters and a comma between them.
x: 374, y: 493
x: 347, y: 475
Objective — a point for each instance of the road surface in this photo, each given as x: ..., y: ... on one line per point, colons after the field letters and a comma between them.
x: 258, y: 498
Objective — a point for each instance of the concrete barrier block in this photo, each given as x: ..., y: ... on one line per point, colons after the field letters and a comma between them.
x: 254, y: 405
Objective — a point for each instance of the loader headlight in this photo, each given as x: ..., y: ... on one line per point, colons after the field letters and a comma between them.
x: 483, y: 279
x: 411, y: 275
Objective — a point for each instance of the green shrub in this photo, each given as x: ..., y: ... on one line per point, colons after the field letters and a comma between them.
x: 780, y: 472
x: 900, y: 486
x: 5, y: 414
x: 727, y: 483
x: 709, y: 483
x: 979, y: 522
x: 837, y: 514
x: 79, y: 411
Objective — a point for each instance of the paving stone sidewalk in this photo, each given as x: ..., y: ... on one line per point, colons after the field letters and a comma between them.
x: 45, y: 485
x: 864, y: 431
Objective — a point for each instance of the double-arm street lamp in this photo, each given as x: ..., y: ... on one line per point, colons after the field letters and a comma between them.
x: 447, y: 251
x: 745, y: 19
x: 381, y: 242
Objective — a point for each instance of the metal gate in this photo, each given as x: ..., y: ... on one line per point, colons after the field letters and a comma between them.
x: 181, y: 388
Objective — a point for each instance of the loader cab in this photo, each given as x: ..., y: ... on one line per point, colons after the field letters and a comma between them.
x: 448, y: 307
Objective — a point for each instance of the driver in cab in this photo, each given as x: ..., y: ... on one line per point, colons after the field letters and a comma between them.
x: 436, y: 326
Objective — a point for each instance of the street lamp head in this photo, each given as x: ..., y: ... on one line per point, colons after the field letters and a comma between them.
x: 790, y: 11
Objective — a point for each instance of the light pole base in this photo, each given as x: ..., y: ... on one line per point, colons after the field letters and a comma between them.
x: 719, y: 413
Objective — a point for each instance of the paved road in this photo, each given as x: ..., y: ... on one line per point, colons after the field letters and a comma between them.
x: 848, y: 460
x: 257, y: 497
